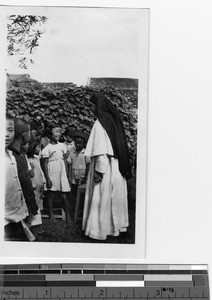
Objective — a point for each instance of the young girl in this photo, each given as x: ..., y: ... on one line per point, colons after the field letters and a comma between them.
x: 55, y: 170
x: 68, y: 140
x: 38, y: 180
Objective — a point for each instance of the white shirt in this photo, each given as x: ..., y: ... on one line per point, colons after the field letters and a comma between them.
x: 15, y: 205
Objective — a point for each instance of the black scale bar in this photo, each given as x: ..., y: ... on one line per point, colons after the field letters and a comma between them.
x: 71, y: 272
x: 49, y: 283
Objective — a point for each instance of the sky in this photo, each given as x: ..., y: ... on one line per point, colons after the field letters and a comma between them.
x: 79, y: 43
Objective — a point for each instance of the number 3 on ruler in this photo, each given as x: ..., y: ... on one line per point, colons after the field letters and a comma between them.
x: 157, y: 293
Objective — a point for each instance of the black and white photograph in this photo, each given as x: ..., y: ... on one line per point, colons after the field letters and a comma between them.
x: 75, y: 118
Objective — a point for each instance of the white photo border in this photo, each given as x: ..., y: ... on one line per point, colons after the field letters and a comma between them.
x: 94, y: 251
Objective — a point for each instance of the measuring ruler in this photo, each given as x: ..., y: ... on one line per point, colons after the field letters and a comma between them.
x: 104, y: 281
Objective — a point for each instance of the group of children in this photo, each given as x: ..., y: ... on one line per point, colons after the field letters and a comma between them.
x: 37, y: 164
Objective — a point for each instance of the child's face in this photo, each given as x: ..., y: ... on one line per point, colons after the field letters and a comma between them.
x: 38, y: 137
x: 26, y: 136
x: 34, y: 131
x: 37, y: 150
x: 56, y: 134
x: 79, y: 143
x: 9, y: 134
x: 25, y: 147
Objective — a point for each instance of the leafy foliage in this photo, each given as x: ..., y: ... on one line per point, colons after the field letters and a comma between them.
x: 67, y: 105
x: 23, y: 36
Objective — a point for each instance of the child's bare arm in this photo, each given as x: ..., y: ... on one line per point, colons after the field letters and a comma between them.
x: 86, y: 173
x: 70, y: 173
x: 31, y: 171
x: 65, y: 161
x: 66, y: 155
x: 46, y: 173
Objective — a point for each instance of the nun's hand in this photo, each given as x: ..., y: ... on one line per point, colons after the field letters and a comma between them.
x: 97, y: 177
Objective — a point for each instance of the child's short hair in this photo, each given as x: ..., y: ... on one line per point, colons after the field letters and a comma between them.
x: 39, y: 135
x: 33, y: 125
x: 69, y: 132
x: 81, y: 134
x: 31, y: 149
x: 9, y: 117
x: 21, y: 126
x: 32, y: 145
x: 79, y: 138
x: 48, y: 130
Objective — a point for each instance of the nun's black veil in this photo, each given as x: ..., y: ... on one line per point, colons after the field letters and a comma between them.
x: 111, y: 121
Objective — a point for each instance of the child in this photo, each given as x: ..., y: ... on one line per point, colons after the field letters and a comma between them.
x: 44, y: 141
x: 15, y: 206
x: 33, y: 128
x: 68, y: 140
x: 55, y: 170
x: 22, y: 136
x: 78, y: 163
x: 38, y: 180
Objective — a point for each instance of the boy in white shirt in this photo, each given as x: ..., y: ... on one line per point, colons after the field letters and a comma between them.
x: 15, y: 206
